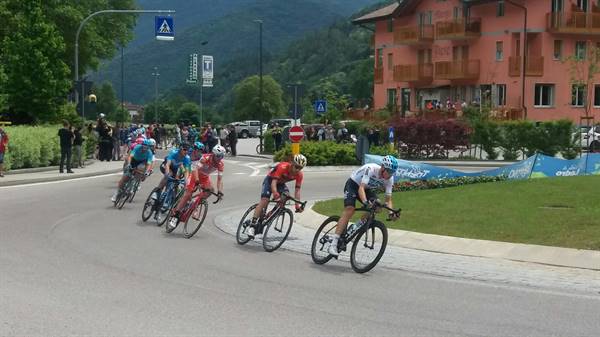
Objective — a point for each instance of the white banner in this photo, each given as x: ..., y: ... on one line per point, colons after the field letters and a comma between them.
x: 207, y: 67
x: 207, y: 82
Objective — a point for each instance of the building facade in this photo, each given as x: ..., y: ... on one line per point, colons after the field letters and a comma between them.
x: 432, y: 54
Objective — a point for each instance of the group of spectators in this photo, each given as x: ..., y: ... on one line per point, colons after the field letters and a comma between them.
x: 208, y: 135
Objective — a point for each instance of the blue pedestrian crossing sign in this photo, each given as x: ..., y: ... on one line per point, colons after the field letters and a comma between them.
x: 163, y: 28
x: 320, y: 106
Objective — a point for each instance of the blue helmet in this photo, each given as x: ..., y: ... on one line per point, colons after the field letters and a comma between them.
x: 389, y: 163
x: 148, y: 142
x: 198, y: 146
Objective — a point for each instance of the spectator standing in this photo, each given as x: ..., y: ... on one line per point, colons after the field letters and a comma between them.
x: 371, y: 137
x: 233, y: 140
x: 66, y: 140
x: 330, y: 133
x: 116, y: 134
x: 77, y: 143
x: 342, y: 134
x: 276, y: 132
x: 157, y: 135
x: 321, y: 133
x: 223, y: 136
x: 3, y: 148
x: 104, y: 140
x: 377, y: 136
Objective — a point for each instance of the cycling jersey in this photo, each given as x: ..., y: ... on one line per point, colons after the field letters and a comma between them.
x: 208, y: 165
x: 369, y: 174
x: 138, y: 155
x: 177, y: 161
x: 282, y: 172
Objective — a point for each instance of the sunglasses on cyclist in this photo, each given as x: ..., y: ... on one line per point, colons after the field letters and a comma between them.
x: 298, y: 167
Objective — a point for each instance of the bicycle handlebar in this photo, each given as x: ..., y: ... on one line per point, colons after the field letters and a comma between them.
x: 377, y: 204
x: 289, y: 197
x: 218, y: 195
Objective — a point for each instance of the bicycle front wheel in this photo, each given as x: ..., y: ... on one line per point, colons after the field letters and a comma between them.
x: 196, y: 217
x: 368, y: 247
x: 149, y: 206
x: 162, y: 210
x: 322, y: 240
x: 241, y: 236
x: 133, y: 190
x: 277, y: 230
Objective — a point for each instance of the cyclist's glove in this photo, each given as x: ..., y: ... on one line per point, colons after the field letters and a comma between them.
x: 299, y: 208
x: 276, y: 196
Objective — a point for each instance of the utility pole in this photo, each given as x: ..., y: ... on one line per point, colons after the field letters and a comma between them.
x: 122, y: 80
x: 156, y: 75
x: 260, y: 81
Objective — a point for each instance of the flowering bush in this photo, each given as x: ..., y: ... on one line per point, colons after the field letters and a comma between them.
x: 443, y: 183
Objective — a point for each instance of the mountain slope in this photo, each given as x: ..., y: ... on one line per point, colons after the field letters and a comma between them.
x: 233, y: 35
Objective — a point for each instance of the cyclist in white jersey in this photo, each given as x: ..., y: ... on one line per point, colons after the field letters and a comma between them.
x: 361, y: 185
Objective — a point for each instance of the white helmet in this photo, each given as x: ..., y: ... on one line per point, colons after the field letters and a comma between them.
x: 299, y: 160
x: 152, y: 142
x: 218, y: 151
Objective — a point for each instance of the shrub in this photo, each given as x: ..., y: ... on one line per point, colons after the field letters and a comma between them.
x: 487, y: 134
x: 443, y: 183
x: 321, y: 153
x: 383, y: 151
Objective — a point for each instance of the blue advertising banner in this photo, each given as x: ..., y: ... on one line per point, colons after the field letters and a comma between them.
x: 537, y: 166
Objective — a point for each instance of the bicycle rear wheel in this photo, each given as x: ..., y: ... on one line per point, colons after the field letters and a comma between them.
x: 162, y: 210
x: 322, y: 240
x: 149, y: 206
x: 368, y: 247
x: 197, y: 216
x: 134, y: 189
x: 123, y: 195
x: 277, y: 229
x: 240, y: 235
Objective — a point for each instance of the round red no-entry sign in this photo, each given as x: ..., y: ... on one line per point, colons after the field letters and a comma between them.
x: 296, y: 134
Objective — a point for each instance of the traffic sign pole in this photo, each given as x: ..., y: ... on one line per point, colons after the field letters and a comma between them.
x: 296, y: 134
x: 295, y: 148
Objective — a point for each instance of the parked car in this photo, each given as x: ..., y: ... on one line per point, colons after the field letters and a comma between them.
x: 245, y: 129
x: 283, y: 122
x: 588, y: 138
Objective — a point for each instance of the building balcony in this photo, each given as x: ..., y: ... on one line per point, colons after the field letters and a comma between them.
x: 573, y: 23
x: 457, y: 70
x: 414, y: 73
x: 459, y: 29
x: 414, y: 35
x: 535, y: 66
x: 378, y: 78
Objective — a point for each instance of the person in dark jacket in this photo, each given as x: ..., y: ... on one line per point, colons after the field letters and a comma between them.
x: 104, y: 140
x: 233, y: 138
x: 66, y: 140
x: 77, y: 143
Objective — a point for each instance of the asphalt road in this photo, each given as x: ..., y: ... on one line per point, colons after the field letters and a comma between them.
x: 71, y: 264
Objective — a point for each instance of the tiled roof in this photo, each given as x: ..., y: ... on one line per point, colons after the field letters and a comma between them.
x: 378, y: 14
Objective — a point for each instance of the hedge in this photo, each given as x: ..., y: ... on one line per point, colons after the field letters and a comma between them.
x: 35, y: 146
x: 443, y: 183
x: 321, y: 153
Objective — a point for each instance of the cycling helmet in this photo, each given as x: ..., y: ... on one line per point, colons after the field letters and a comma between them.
x: 147, y: 142
x: 299, y: 160
x: 218, y: 151
x: 390, y: 163
x: 184, y: 146
x: 151, y: 141
x: 142, y: 131
x: 199, y: 146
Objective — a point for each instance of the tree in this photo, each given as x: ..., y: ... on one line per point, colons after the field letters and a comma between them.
x: 3, y: 96
x: 107, y: 101
x: 247, y: 100
x: 583, y: 68
x: 190, y: 112
x: 37, y: 78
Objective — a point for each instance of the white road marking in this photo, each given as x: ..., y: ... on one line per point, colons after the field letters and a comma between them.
x: 61, y: 181
x: 240, y: 173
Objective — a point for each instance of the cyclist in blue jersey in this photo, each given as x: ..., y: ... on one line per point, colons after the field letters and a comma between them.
x: 176, y: 163
x: 140, y: 158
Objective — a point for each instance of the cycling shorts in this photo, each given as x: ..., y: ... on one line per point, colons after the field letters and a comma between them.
x: 203, y: 181
x: 351, y: 193
x: 134, y: 165
x: 266, y: 188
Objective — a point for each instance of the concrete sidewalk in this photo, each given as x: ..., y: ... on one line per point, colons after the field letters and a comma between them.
x: 554, y: 256
x: 38, y: 175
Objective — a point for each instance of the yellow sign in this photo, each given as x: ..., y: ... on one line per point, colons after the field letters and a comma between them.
x: 295, y: 148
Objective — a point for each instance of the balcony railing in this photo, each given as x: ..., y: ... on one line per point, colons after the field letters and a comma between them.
x: 422, y: 34
x: 413, y: 73
x: 458, y: 29
x: 574, y: 23
x: 457, y: 70
x: 535, y: 66
x: 378, y: 78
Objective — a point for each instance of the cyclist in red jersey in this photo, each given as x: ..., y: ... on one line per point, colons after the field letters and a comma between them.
x: 274, y: 185
x: 208, y: 163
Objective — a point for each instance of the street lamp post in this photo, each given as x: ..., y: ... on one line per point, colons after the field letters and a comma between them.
x: 260, y: 83
x: 156, y: 74
x: 114, y: 11
x: 203, y: 43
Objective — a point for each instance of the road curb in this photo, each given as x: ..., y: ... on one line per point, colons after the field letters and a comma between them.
x: 254, y: 156
x: 42, y: 169
x: 555, y: 256
x: 64, y: 176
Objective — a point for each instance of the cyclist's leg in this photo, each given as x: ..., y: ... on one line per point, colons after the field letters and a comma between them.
x: 190, y: 186
x: 265, y: 196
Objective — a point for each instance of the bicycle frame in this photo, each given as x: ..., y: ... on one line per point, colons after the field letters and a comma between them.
x: 364, y: 227
x: 279, y: 205
x: 196, y: 200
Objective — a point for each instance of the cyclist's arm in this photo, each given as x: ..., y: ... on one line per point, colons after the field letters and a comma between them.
x: 298, y: 186
x: 388, y: 192
x: 274, y: 182
x: 220, y: 170
x: 168, y: 167
x: 362, y: 193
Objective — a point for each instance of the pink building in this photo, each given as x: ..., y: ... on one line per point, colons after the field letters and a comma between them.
x: 467, y: 51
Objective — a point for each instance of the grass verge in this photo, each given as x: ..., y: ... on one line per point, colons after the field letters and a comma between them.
x: 563, y: 212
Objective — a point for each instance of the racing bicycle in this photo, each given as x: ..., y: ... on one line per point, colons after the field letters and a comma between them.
x: 127, y: 192
x: 276, y: 223
x: 195, y: 210
x: 369, y: 240
x: 161, y: 206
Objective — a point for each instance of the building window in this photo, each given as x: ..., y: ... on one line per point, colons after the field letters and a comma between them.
x: 499, y: 50
x: 391, y: 97
x: 390, y: 64
x: 580, y: 50
x: 500, y: 9
x: 578, y: 95
x: 379, y: 58
x: 500, y: 94
x: 596, y: 96
x: 557, y: 49
x: 544, y: 95
x: 390, y: 25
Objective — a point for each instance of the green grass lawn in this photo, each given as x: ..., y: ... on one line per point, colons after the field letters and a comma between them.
x: 562, y: 212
